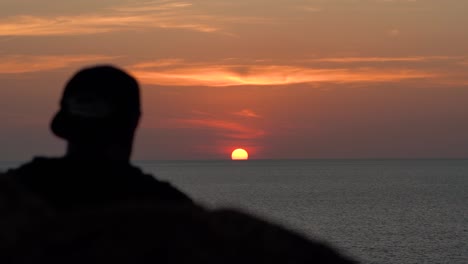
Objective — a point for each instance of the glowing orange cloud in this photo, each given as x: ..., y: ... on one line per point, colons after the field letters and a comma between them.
x: 158, y: 63
x: 15, y: 64
x: 247, y: 113
x: 229, y: 129
x: 227, y: 75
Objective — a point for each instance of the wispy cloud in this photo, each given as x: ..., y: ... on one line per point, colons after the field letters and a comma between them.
x: 14, y: 64
x: 136, y: 15
x: 240, y: 75
x: 228, y: 129
x: 247, y: 113
x: 90, y: 24
x: 318, y: 70
x: 131, y: 17
x: 177, y: 72
x: 158, y: 63
x: 385, y: 59
x: 151, y: 6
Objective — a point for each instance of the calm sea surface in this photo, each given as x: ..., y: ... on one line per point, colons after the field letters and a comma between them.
x: 379, y: 211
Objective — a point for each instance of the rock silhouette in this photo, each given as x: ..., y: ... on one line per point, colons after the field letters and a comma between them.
x: 139, y: 233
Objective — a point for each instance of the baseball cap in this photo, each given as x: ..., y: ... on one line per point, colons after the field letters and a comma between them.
x: 98, y: 101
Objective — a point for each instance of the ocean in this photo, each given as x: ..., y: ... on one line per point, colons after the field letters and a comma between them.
x: 377, y: 211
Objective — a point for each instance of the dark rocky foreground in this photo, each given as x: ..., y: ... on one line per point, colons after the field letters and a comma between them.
x: 145, y: 232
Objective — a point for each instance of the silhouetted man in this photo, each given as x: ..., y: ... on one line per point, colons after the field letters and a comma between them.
x: 98, y: 116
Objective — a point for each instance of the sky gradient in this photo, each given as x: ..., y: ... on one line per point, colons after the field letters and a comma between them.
x: 282, y: 79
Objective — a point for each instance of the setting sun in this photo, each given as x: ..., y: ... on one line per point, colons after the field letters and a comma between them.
x: 240, y: 154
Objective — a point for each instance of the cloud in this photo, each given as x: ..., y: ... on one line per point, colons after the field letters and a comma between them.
x: 338, y: 70
x: 262, y: 75
x: 247, y: 113
x: 158, y: 63
x: 90, y: 24
x: 15, y: 64
x: 151, y: 6
x: 177, y: 72
x: 131, y: 17
x: 385, y: 59
x: 228, y: 129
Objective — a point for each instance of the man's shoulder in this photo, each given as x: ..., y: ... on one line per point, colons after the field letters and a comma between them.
x: 99, y: 178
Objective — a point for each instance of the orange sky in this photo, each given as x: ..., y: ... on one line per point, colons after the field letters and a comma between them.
x: 288, y: 79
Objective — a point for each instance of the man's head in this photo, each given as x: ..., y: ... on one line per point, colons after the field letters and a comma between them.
x: 100, y: 105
